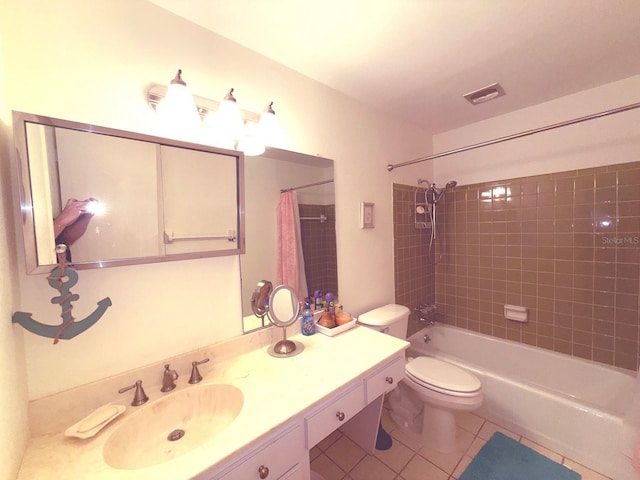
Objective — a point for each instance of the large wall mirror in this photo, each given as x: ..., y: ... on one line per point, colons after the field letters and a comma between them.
x: 153, y: 199
x: 265, y: 176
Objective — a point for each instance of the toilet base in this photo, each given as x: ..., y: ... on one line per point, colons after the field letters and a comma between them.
x: 439, y: 429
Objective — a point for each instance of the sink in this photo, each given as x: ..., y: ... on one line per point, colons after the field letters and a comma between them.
x: 172, y: 426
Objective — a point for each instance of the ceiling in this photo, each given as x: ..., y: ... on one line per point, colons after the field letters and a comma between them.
x: 415, y: 59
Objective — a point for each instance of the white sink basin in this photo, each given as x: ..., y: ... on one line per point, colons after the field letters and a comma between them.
x: 190, y: 417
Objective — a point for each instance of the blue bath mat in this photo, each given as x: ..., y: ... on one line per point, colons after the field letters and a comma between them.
x: 502, y: 458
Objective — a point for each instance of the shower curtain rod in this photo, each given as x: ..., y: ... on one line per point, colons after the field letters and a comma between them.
x: 516, y: 135
x: 305, y: 186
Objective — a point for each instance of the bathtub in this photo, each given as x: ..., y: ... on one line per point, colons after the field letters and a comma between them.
x: 572, y: 406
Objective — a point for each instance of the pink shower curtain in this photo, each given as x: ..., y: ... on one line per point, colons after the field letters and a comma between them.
x: 290, y: 257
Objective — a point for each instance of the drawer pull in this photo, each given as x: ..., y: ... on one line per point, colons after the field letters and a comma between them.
x: 263, y: 471
x: 340, y: 416
x: 389, y: 380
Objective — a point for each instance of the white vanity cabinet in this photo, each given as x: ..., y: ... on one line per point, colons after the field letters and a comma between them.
x: 333, y: 412
x: 385, y: 378
x: 282, y: 456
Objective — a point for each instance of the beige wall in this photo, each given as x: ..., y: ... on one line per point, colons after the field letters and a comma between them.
x: 92, y: 62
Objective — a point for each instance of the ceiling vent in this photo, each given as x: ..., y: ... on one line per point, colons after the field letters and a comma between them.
x: 485, y: 94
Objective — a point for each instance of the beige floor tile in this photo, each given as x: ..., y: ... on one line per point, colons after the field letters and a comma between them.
x: 448, y: 461
x: 470, y: 422
x: 421, y: 469
x: 475, y: 446
x: 325, y: 467
x: 330, y: 440
x: 345, y: 453
x: 550, y: 454
x: 490, y: 428
x: 387, y: 422
x: 462, y: 466
x: 587, y: 474
x: 411, y: 440
x: 396, y: 457
x: 370, y: 468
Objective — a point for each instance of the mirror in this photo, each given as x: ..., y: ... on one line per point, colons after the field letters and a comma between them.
x: 158, y: 199
x: 265, y: 176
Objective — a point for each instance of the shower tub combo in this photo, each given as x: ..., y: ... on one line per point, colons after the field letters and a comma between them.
x: 573, y: 406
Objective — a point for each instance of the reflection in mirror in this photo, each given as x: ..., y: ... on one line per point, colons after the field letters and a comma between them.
x: 260, y: 298
x: 265, y: 177
x: 161, y: 199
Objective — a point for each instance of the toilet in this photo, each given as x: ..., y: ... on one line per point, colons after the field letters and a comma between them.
x: 443, y: 388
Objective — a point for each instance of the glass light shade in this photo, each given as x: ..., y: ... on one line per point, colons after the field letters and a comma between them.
x: 224, y: 127
x: 177, y: 113
x: 269, y: 128
x: 251, y: 142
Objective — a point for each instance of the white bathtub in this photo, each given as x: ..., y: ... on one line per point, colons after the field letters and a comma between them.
x: 572, y: 406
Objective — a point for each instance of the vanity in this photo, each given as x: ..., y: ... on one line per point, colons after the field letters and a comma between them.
x: 288, y: 406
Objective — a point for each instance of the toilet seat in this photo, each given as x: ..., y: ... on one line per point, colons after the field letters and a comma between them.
x: 442, y: 377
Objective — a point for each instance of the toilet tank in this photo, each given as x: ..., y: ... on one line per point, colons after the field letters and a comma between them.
x: 391, y: 319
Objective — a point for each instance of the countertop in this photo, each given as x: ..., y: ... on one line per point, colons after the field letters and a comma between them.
x: 275, y: 390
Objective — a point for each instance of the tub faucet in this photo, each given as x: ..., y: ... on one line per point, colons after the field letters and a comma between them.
x: 426, y: 313
x: 168, y: 379
x: 139, y: 396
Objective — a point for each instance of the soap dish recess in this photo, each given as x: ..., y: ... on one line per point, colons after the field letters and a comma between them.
x: 95, y: 421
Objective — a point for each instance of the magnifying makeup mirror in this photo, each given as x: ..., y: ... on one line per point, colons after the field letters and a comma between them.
x: 282, y: 307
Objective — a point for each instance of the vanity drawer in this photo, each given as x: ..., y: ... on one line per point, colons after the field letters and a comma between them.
x: 281, y: 458
x: 333, y: 414
x: 385, y: 379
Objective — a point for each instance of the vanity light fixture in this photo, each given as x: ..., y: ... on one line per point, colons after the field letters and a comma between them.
x: 177, y: 111
x: 269, y: 127
x: 222, y: 123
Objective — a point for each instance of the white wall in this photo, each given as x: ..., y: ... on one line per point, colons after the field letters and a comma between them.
x: 13, y: 394
x: 92, y: 62
x: 603, y: 141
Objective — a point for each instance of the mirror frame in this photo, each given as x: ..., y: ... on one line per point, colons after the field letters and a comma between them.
x: 25, y: 199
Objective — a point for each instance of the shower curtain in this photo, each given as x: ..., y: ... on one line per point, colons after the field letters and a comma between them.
x: 290, y: 257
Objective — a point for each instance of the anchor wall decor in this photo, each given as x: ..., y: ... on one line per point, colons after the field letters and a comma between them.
x: 62, y: 278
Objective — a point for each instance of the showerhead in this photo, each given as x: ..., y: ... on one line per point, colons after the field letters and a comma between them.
x: 451, y: 184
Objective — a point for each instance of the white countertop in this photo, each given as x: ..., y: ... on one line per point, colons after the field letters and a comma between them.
x: 275, y: 390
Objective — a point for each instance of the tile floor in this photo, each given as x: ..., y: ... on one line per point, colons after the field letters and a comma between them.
x: 338, y: 458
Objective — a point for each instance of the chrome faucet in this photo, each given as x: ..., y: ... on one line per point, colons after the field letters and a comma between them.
x: 426, y: 313
x: 139, y: 397
x: 168, y: 379
x: 195, y: 374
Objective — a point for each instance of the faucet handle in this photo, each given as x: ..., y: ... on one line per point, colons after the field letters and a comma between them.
x: 195, y: 374
x: 168, y: 379
x: 139, y: 396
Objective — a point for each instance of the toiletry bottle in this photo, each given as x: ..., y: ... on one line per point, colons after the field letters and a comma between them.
x: 317, y: 295
x: 329, y: 305
x: 308, y: 325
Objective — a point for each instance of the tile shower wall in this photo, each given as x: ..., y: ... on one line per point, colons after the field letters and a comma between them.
x: 414, y: 270
x: 564, y: 245
x: 319, y: 247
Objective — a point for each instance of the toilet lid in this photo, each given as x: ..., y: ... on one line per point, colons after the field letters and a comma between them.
x: 442, y: 375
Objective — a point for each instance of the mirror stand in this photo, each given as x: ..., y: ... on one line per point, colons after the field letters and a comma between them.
x: 282, y: 307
